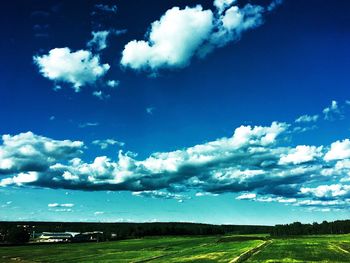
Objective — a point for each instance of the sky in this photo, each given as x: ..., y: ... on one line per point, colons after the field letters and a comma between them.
x: 223, y: 112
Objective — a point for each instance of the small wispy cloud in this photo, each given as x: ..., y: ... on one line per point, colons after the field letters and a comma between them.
x: 99, y: 40
x: 60, y: 205
x: 98, y: 213
x: 162, y: 195
x: 246, y: 196
x: 150, y: 110
x: 104, y: 144
x: 113, y: 83
x: 101, y: 95
x: 332, y: 112
x: 89, y: 124
x: 307, y: 118
x: 106, y: 8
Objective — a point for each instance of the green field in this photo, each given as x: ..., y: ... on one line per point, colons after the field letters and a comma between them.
x: 188, y: 249
x: 156, y: 249
x: 323, y: 248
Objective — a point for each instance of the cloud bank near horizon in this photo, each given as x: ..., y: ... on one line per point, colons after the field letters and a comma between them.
x: 254, y: 163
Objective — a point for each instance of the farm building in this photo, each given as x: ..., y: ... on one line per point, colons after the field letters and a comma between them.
x: 94, y: 236
x: 56, y: 236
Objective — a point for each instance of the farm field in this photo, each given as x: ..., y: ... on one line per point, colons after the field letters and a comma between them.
x: 322, y: 248
x: 155, y: 249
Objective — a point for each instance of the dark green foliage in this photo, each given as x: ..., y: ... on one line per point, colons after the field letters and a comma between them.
x: 297, y: 228
x: 15, y: 235
x: 119, y: 231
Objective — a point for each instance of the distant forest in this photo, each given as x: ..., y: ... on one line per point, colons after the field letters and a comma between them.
x: 297, y: 228
x: 20, y: 232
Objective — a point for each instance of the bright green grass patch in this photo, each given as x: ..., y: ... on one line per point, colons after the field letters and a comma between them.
x: 310, y: 249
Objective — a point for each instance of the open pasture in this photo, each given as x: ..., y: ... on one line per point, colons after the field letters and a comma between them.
x: 322, y: 248
x: 155, y: 249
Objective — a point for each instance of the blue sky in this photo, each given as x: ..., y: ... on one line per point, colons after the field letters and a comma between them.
x: 204, y: 111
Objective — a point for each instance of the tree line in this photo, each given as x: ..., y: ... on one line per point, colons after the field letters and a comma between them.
x: 297, y: 228
x: 115, y: 231
x: 21, y: 232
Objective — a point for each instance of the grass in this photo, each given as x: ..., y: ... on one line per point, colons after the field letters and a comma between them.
x: 155, y: 249
x: 325, y: 248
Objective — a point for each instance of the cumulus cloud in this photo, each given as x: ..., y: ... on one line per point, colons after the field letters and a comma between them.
x: 79, y: 68
x: 327, y: 191
x: 104, y: 144
x: 182, y: 34
x: 339, y: 150
x: 254, y: 162
x: 20, y: 179
x: 27, y: 153
x: 301, y: 154
x: 173, y: 39
x: 221, y: 5
x: 307, y: 118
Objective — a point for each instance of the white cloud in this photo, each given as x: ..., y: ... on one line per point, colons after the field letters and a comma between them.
x: 28, y: 153
x: 60, y: 205
x: 246, y: 196
x: 254, y: 162
x: 88, y: 124
x: 103, y: 144
x: 113, y: 83
x: 181, y: 34
x: 332, y: 112
x: 200, y: 194
x: 100, y: 95
x: 339, y: 150
x: 307, y: 118
x: 78, y: 68
x: 299, y: 129
x: 20, y: 179
x: 161, y: 195
x: 220, y: 165
x: 221, y: 5
x: 99, y: 40
x: 301, y: 154
x: 99, y: 213
x: 63, y: 210
x: 327, y: 191
x: 173, y: 40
